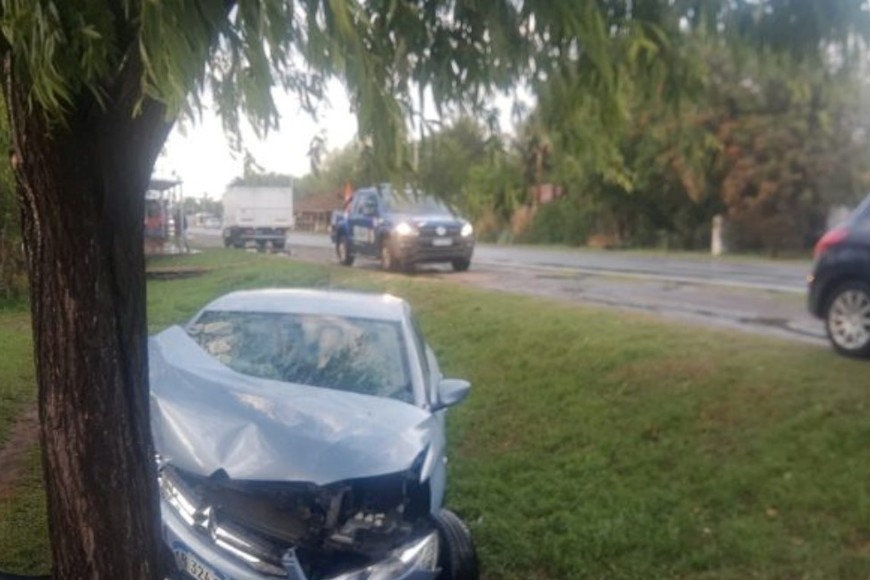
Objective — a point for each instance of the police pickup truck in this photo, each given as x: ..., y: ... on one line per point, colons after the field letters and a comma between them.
x: 401, y: 230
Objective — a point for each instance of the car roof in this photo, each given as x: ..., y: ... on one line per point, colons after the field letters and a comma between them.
x: 305, y: 301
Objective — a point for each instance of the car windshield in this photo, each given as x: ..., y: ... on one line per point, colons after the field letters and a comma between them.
x: 346, y: 354
x: 415, y: 203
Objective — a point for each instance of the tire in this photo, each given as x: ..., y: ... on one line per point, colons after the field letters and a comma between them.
x: 457, y: 557
x: 847, y: 319
x: 461, y: 264
x: 388, y: 261
x: 279, y: 245
x: 343, y: 252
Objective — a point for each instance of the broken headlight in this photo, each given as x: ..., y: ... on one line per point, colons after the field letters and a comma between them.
x: 421, y: 555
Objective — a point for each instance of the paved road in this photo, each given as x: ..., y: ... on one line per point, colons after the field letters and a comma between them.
x: 748, y: 295
x: 735, y: 273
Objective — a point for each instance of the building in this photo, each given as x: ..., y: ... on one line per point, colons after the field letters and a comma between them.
x: 314, y: 213
x: 164, y: 223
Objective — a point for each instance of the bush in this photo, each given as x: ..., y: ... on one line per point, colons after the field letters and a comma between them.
x: 564, y: 221
x: 13, y: 276
x: 488, y: 227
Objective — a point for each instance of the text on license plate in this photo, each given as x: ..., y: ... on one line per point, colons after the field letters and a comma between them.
x: 189, y: 563
x: 442, y: 242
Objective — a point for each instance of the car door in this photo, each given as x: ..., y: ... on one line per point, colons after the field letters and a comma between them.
x: 860, y: 236
x: 363, y: 221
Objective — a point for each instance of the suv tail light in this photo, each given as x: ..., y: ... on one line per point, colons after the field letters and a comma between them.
x: 829, y: 240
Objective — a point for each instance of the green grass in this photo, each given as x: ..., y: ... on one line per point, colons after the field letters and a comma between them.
x: 602, y: 444
x: 24, y: 547
x: 16, y: 370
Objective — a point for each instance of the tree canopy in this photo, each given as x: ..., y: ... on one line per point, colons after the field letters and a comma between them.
x: 384, y: 51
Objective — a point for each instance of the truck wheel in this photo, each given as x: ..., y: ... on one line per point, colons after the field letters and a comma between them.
x: 388, y: 262
x: 461, y: 264
x: 457, y: 557
x: 343, y: 253
x: 279, y: 244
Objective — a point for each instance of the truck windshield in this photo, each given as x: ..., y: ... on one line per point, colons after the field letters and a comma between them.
x: 415, y: 203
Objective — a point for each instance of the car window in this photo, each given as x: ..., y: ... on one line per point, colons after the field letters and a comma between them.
x: 359, y: 201
x: 434, y: 370
x: 421, y: 353
x: 369, y: 205
x: 346, y: 354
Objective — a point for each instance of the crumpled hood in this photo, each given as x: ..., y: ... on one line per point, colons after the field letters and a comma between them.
x: 205, y: 417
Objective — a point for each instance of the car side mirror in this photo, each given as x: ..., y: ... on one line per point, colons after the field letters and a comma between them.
x: 451, y: 392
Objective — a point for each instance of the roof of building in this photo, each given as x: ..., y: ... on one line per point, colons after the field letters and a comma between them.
x: 322, y: 202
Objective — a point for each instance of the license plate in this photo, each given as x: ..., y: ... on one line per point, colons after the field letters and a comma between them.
x: 187, y: 562
x: 442, y: 242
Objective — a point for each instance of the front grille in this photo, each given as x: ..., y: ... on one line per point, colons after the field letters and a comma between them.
x: 430, y: 231
x: 235, y: 523
x: 246, y: 546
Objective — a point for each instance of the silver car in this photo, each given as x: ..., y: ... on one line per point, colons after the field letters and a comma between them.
x: 300, y: 435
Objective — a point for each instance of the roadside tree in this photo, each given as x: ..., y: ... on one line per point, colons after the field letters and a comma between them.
x: 92, y: 89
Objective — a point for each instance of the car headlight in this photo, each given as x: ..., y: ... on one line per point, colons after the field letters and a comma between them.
x: 405, y: 229
x: 421, y: 555
x: 467, y: 230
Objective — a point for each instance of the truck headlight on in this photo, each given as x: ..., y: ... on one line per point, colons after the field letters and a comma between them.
x: 405, y: 229
x: 467, y: 230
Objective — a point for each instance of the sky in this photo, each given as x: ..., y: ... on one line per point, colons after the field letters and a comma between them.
x: 199, y: 153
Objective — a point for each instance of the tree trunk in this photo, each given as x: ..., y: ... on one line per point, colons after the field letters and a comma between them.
x: 81, y: 188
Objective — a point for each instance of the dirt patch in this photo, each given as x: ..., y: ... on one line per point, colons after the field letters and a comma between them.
x: 13, y: 453
x: 174, y: 273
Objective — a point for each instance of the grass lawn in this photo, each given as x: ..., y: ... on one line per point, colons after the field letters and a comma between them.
x: 603, y: 444
x: 16, y: 371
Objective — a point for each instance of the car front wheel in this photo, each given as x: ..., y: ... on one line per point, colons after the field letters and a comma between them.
x: 388, y: 261
x: 457, y: 557
x: 343, y: 253
x: 847, y: 319
x: 461, y: 264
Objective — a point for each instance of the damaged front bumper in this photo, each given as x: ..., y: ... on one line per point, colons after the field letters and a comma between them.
x: 208, y: 548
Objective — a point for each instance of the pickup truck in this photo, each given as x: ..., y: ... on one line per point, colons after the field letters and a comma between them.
x: 401, y: 230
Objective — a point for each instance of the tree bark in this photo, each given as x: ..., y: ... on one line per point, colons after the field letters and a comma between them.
x: 81, y: 187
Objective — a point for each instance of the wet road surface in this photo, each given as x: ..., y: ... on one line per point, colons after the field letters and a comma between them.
x: 749, y: 295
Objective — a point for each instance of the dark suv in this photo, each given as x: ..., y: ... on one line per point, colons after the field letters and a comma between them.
x: 402, y: 230
x: 840, y: 285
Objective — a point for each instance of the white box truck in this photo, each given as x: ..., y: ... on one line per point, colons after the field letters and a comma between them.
x: 257, y: 214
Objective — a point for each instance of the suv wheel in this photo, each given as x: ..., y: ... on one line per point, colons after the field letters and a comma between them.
x: 343, y: 253
x: 388, y: 260
x: 461, y: 264
x: 457, y: 557
x: 847, y: 319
